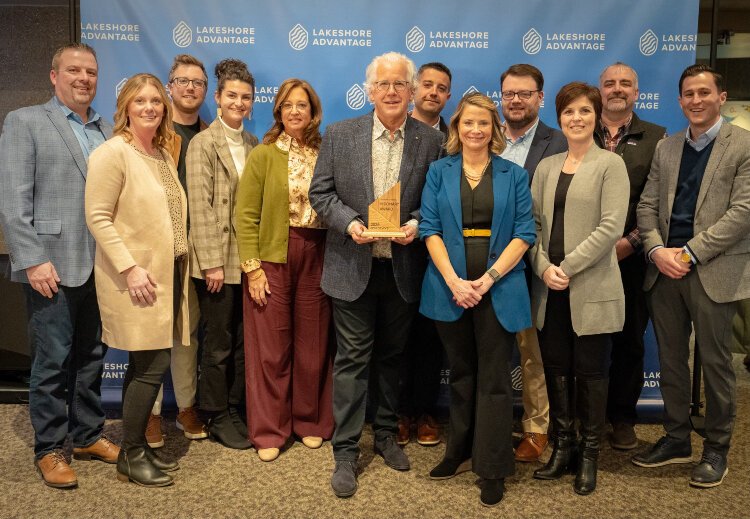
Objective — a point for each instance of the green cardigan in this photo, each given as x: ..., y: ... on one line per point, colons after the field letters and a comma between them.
x: 262, y: 205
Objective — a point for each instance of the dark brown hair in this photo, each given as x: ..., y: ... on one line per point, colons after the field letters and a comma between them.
x: 186, y: 59
x: 694, y: 70
x: 572, y: 91
x: 524, y: 69
x: 233, y: 70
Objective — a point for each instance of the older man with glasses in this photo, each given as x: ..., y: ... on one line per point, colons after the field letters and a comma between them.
x: 374, y: 282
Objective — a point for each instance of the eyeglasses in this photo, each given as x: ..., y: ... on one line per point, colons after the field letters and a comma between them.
x: 300, y: 107
x: 525, y: 95
x: 200, y: 84
x: 384, y: 86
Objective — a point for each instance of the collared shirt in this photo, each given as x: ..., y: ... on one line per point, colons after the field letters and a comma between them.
x: 611, y: 142
x: 517, y: 151
x: 386, y: 164
x: 300, y: 170
x: 89, y: 134
x: 704, y: 140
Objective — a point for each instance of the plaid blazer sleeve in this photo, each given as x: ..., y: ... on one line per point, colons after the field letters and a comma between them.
x: 205, y: 232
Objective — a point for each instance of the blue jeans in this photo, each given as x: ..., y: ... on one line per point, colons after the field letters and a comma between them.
x: 66, y: 369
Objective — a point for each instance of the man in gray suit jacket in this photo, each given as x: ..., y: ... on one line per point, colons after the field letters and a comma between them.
x: 43, y: 155
x: 528, y: 141
x: 374, y: 283
x: 699, y: 248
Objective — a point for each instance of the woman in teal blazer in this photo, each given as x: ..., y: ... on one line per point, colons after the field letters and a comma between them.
x: 477, y: 224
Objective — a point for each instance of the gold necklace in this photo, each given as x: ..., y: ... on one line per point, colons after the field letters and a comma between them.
x: 476, y: 178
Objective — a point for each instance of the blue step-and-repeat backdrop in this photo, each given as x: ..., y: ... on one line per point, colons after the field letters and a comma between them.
x: 330, y: 42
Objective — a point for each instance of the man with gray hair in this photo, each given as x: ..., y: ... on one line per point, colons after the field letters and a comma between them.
x: 621, y: 131
x: 374, y: 282
x: 44, y: 152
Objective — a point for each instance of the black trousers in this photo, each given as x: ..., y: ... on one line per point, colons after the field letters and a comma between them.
x: 420, y: 369
x: 222, y: 377
x: 481, y: 409
x: 370, y: 331
x: 566, y: 354
x: 626, y: 370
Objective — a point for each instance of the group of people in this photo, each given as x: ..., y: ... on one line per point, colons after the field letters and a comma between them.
x: 512, y: 233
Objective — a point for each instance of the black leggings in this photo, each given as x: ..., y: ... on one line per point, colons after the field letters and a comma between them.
x: 142, y: 380
x: 564, y: 353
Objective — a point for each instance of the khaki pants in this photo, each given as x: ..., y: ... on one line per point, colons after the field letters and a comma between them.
x: 535, y: 402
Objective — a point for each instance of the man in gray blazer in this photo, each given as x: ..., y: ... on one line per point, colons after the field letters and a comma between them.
x: 529, y: 140
x: 43, y: 155
x: 694, y: 217
x: 375, y: 283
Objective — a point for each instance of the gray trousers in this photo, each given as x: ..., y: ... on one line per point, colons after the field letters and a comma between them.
x: 675, y: 304
x: 370, y: 331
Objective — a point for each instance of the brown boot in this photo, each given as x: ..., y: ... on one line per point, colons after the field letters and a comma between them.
x: 531, y: 447
x: 55, y: 471
x: 154, y: 436
x: 404, y: 430
x: 102, y: 449
x: 190, y: 424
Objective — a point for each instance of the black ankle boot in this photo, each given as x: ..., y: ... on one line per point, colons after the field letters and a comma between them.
x: 492, y: 492
x: 134, y: 465
x: 222, y: 429
x: 592, y: 408
x: 564, y: 452
x: 449, y: 468
x: 156, y: 461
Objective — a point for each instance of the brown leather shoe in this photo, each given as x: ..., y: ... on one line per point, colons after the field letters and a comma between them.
x: 190, y: 424
x: 531, y: 447
x: 154, y: 436
x: 55, y: 471
x: 102, y: 449
x: 404, y: 430
x: 428, y: 431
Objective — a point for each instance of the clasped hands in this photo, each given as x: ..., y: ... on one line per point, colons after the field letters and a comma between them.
x: 468, y: 293
x: 555, y: 278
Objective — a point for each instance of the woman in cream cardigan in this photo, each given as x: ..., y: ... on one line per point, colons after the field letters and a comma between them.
x: 136, y: 211
x: 287, y: 315
x: 580, y: 203
x: 214, y: 163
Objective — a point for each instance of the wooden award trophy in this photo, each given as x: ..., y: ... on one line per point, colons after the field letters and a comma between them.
x: 385, y: 214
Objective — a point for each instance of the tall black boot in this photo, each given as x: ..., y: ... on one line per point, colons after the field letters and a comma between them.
x: 222, y: 429
x: 134, y: 465
x: 560, y: 391
x: 592, y: 410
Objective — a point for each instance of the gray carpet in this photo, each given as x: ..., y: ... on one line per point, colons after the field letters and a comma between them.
x: 216, y: 482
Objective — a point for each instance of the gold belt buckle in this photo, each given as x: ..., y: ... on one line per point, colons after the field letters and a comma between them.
x: 474, y: 233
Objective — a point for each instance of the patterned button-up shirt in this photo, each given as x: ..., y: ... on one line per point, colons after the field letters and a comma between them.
x: 387, y: 150
x: 301, y: 166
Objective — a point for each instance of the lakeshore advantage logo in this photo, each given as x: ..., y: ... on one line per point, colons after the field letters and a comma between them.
x: 182, y: 35
x: 298, y: 37
x: 118, y: 87
x: 356, y: 97
x: 93, y: 31
x: 649, y: 42
x: 471, y: 90
x: 415, y: 39
x: 533, y: 42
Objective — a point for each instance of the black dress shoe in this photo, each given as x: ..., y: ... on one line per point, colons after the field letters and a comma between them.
x: 492, y: 492
x: 237, y: 420
x: 133, y: 465
x: 221, y: 428
x: 156, y: 461
x: 666, y: 452
x: 392, y: 454
x: 711, y: 470
x: 447, y: 468
x: 344, y: 478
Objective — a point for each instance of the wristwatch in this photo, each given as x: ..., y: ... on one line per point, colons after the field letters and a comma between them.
x: 494, y: 275
x: 685, y: 257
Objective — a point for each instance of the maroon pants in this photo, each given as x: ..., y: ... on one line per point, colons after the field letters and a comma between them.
x: 288, y: 358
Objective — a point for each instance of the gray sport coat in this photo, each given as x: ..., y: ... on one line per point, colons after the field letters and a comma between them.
x: 43, y: 175
x: 342, y: 190
x: 721, y: 226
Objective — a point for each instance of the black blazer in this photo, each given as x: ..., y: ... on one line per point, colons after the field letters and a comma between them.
x: 547, y: 142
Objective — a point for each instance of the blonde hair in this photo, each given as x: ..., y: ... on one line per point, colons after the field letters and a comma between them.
x: 312, y: 132
x: 164, y: 133
x: 497, y: 141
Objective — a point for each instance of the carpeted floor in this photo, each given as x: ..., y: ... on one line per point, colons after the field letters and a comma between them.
x: 216, y: 482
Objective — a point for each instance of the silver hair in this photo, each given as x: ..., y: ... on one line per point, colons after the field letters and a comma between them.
x: 623, y: 65
x: 390, y: 57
